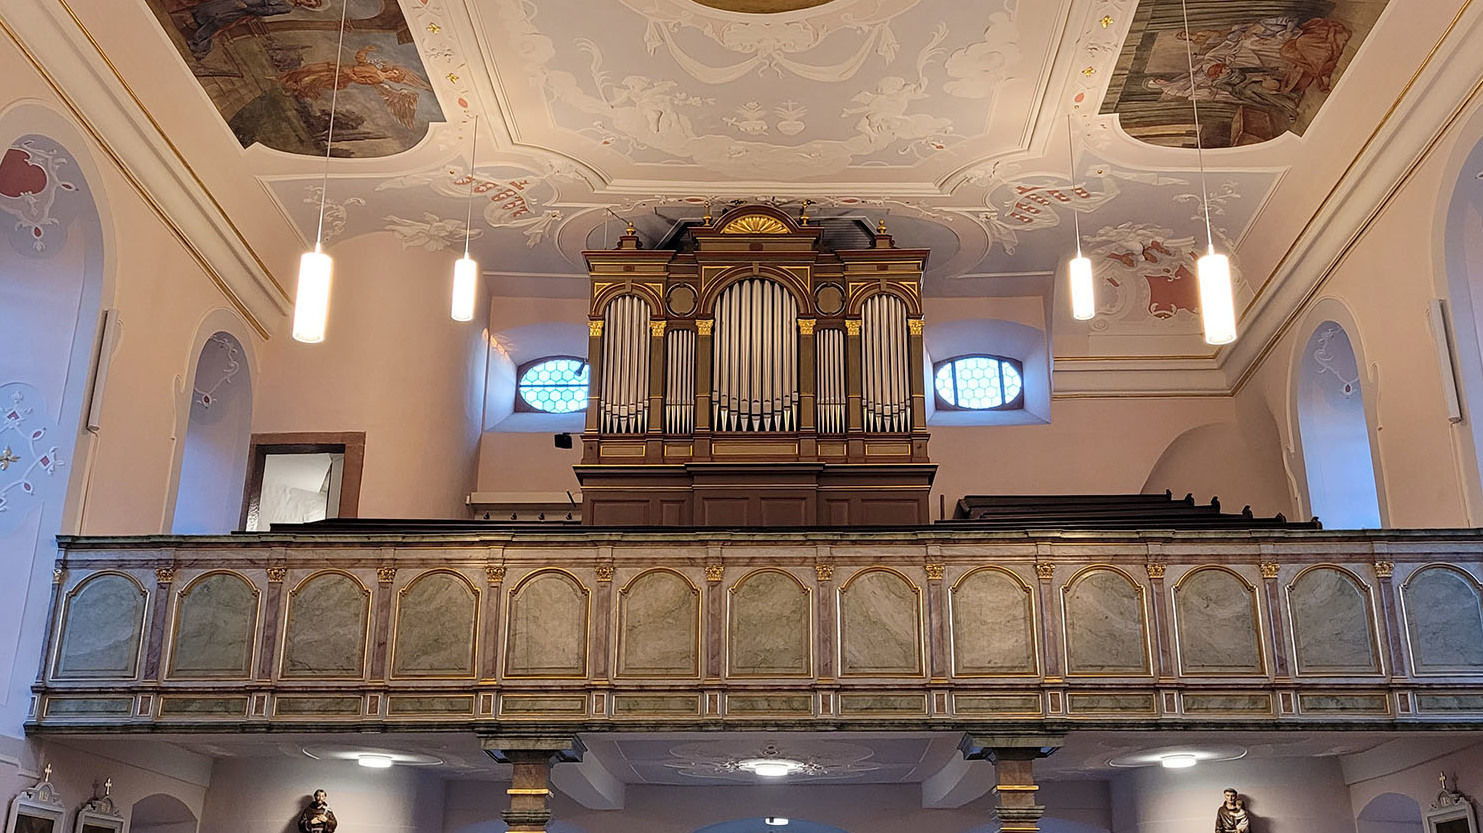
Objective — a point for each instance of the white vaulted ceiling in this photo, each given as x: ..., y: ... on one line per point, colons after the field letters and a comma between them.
x: 949, y: 119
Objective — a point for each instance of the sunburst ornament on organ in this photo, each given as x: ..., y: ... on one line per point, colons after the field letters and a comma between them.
x: 755, y: 224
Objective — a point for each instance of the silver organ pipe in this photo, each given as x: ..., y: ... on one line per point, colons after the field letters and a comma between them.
x: 885, y: 360
x: 679, y: 386
x: 829, y: 354
x: 625, y: 366
x: 755, y: 365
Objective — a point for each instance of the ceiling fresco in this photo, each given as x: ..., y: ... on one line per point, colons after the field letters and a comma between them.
x: 269, y: 66
x: 1262, y: 67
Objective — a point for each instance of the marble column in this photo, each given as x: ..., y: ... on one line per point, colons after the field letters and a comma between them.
x: 1273, y: 595
x: 494, y: 575
x: 1390, y: 619
x: 1013, y: 758
x: 381, y: 624
x: 937, y: 636
x: 531, y: 759
x: 602, y: 615
x: 272, y: 615
x: 1163, y: 636
x: 1050, y: 630
x: 824, y: 613
x: 164, y: 578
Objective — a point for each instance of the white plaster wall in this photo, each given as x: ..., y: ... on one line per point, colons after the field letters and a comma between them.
x: 1285, y: 795
x: 1409, y: 767
x: 266, y: 795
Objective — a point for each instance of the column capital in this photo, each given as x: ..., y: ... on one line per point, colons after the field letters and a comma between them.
x: 995, y: 748
x: 506, y: 749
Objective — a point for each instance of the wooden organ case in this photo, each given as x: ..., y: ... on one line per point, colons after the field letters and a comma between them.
x: 751, y: 376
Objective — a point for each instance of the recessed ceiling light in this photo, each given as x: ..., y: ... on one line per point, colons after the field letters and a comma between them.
x: 1178, y: 761
x: 770, y: 767
x: 374, y: 761
x: 776, y: 821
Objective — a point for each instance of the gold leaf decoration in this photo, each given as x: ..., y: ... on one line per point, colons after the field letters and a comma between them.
x: 755, y: 224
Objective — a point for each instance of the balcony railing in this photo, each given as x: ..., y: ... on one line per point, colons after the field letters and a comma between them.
x: 603, y: 629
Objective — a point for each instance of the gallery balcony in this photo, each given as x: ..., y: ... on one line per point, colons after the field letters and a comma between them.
x: 418, y: 627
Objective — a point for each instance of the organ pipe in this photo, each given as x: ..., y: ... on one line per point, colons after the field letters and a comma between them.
x: 755, y: 379
x: 885, y: 360
x: 625, y: 371
x: 679, y: 389
x: 831, y: 393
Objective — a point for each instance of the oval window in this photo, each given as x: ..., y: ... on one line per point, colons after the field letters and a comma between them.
x: 979, y: 383
x: 556, y: 386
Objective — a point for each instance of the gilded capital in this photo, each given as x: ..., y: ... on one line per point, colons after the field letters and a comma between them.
x: 806, y: 326
x: 1269, y: 569
x: 852, y: 326
x: 916, y: 325
x: 1045, y: 570
x: 934, y: 571
x: 1384, y: 569
x: 825, y: 572
x: 276, y: 575
x: 604, y: 572
x: 703, y: 326
x: 495, y: 574
x: 56, y: 575
x: 386, y: 575
x: 714, y: 572
x: 1155, y: 569
x: 164, y: 575
x: 594, y: 328
x: 656, y: 328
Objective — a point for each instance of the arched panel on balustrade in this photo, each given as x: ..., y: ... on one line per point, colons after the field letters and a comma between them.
x: 1104, y: 613
x: 993, y: 624
x: 216, y: 618
x: 546, y: 626
x: 880, y: 625
x: 102, y: 628
x: 659, y: 625
x: 1333, y: 622
x: 324, y: 636
x: 437, y: 617
x: 1443, y: 610
x: 1217, y: 624
x: 770, y: 626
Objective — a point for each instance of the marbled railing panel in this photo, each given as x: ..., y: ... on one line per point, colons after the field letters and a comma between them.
x: 216, y: 619
x: 436, y: 616
x: 1106, y: 626
x: 993, y: 624
x: 102, y: 624
x: 325, y: 634
x: 1215, y: 611
x: 880, y: 625
x: 770, y: 626
x: 548, y: 630
x: 659, y: 626
x: 1444, y: 617
x: 1333, y: 623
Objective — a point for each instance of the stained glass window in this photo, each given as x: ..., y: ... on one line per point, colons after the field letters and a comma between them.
x: 556, y: 386
x: 979, y: 383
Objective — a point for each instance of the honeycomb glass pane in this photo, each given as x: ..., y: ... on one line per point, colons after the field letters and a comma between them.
x: 557, y: 386
x: 978, y: 382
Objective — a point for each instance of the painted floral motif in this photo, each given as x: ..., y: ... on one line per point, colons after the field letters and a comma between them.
x: 30, y: 182
x: 24, y: 450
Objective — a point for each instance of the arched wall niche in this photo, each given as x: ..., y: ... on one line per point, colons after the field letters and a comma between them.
x: 993, y: 337
x: 51, y: 301
x: 1333, y: 622
x: 161, y: 813
x: 547, y: 626
x: 1251, y: 469
x: 1443, y: 610
x: 770, y: 615
x: 1457, y: 246
x: 436, y: 626
x: 1336, y: 459
x: 880, y: 625
x: 1105, y: 615
x: 213, y: 429
x: 659, y: 625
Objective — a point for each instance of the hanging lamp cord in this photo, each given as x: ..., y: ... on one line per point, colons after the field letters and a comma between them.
x: 329, y: 139
x: 1189, y: 53
x: 1071, y: 149
x: 468, y: 218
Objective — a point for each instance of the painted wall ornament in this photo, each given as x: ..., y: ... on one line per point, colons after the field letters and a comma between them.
x: 29, y: 460
x: 31, y: 182
x: 1260, y: 69
x: 269, y: 66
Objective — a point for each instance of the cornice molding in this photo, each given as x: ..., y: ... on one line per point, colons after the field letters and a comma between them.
x: 105, y: 108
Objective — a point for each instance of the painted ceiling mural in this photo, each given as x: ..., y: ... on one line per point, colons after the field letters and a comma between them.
x: 1262, y: 67
x: 269, y: 66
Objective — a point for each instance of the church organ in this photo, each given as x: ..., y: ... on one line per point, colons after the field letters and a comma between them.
x: 749, y: 373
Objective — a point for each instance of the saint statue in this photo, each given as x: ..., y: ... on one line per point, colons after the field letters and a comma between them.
x: 318, y: 817
x: 1231, y: 816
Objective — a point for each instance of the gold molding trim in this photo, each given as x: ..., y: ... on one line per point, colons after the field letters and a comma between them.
x: 755, y: 224
x: 594, y: 328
